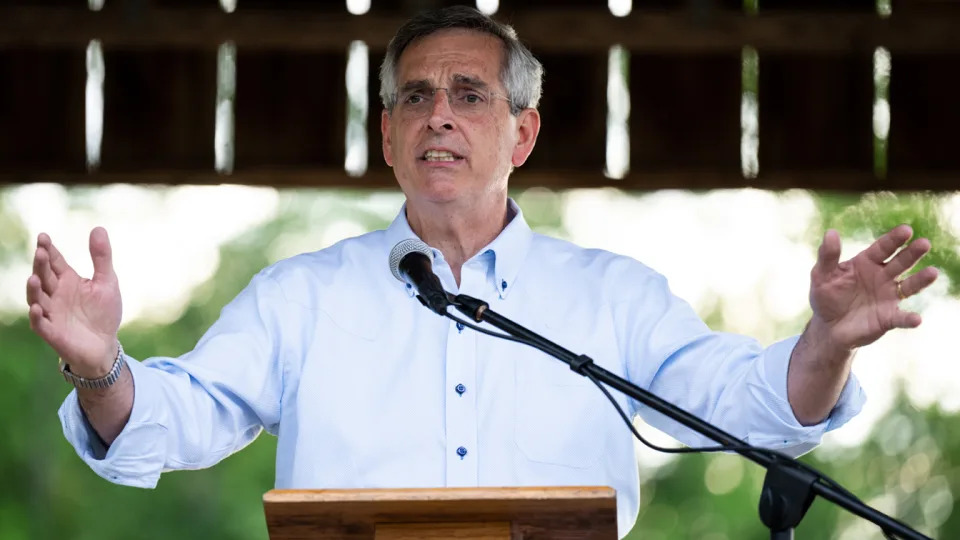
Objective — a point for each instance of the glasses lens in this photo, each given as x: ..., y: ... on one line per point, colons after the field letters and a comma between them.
x: 464, y: 101
x: 469, y: 102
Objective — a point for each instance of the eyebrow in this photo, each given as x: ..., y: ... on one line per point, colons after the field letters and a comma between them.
x: 458, y: 78
x: 420, y: 84
x: 469, y: 80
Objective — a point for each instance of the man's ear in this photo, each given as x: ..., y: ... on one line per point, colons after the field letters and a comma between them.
x: 528, y: 127
x: 385, y: 135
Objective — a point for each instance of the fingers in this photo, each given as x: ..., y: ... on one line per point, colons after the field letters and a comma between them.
x: 919, y: 281
x: 57, y: 262
x: 101, y: 253
x: 42, y: 270
x: 906, y: 319
x: 908, y: 257
x: 911, y: 286
x: 36, y: 294
x: 828, y: 256
x: 39, y: 310
x: 888, y: 244
x: 40, y: 324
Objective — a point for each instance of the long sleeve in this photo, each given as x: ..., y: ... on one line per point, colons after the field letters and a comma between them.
x: 191, y: 412
x: 729, y: 380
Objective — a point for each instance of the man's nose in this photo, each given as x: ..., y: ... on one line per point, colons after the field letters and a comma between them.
x: 441, y: 114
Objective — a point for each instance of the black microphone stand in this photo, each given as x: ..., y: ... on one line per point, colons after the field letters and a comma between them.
x: 788, y: 488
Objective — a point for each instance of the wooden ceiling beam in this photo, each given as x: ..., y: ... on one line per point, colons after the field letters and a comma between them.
x: 545, y: 30
x: 832, y: 180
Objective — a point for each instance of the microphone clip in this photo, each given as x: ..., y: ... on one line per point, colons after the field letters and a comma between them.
x: 470, y: 306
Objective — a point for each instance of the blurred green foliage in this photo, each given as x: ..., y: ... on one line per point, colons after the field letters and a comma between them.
x: 909, y: 463
x: 870, y: 215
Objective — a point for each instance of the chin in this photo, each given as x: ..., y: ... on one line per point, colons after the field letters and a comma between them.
x: 439, y: 190
x: 441, y: 196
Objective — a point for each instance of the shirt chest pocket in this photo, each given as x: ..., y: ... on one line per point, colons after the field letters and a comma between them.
x: 562, y: 418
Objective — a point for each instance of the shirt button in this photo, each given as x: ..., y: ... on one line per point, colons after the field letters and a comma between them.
x: 460, y: 327
x: 462, y: 451
x: 460, y: 389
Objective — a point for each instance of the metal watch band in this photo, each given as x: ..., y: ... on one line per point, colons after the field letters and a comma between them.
x: 103, y: 382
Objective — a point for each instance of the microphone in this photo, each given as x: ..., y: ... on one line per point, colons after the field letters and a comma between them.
x: 411, y: 261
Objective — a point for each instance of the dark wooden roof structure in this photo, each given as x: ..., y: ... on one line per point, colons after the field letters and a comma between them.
x: 815, y: 86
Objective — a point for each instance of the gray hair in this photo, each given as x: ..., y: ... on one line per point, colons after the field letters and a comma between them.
x: 520, y: 72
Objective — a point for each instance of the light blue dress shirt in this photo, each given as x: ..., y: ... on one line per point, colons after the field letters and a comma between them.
x: 366, y: 388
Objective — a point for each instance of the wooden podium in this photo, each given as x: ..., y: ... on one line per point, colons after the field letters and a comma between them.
x: 554, y: 513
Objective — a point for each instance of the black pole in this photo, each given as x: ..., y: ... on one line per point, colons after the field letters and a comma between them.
x: 788, y: 489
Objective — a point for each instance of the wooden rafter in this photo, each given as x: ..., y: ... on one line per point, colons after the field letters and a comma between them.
x: 546, y: 30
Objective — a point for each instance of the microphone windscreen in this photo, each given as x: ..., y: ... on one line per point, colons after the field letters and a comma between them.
x: 404, y: 248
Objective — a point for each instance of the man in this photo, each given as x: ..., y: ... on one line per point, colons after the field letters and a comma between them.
x: 365, y: 388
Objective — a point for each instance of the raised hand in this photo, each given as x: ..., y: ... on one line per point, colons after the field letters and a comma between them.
x: 854, y: 303
x: 78, y: 317
x: 858, y: 300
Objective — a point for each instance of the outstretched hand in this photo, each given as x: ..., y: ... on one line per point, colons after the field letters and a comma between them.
x: 78, y: 317
x: 858, y: 300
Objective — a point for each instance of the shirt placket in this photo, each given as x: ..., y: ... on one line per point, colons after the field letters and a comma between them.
x: 460, y: 392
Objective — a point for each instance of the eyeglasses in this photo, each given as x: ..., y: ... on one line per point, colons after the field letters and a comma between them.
x: 465, y: 101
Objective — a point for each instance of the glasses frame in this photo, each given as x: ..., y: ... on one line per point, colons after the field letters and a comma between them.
x: 429, y: 93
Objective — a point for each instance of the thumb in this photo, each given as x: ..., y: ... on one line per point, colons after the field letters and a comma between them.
x: 101, y: 254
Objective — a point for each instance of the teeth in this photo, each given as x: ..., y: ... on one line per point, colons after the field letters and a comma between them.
x: 438, y: 155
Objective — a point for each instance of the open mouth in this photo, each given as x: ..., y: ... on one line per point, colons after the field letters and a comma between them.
x: 440, y: 155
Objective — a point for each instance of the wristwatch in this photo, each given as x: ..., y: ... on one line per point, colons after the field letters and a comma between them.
x: 103, y: 382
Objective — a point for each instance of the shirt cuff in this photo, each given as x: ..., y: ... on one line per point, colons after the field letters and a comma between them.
x: 793, y: 437
x: 136, y: 457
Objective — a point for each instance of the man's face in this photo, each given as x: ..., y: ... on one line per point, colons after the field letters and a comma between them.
x: 459, y: 152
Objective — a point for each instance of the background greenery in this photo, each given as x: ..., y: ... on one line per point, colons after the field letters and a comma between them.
x: 908, y: 465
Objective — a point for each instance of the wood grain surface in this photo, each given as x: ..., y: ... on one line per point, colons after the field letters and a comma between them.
x: 530, y: 513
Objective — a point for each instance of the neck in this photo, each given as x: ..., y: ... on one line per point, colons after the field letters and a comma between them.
x: 458, y: 232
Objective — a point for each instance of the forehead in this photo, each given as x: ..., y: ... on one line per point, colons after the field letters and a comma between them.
x: 442, y: 55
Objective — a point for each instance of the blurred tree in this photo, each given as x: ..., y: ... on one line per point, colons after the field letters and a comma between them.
x: 872, y: 214
x: 13, y: 240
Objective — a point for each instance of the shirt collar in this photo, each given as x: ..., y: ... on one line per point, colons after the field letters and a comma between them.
x: 509, y: 248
